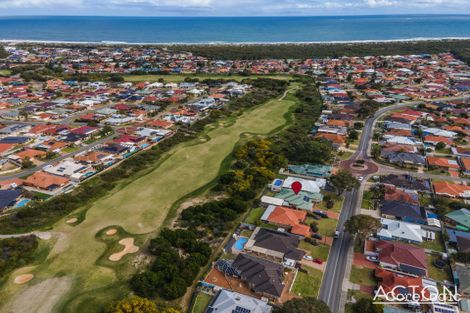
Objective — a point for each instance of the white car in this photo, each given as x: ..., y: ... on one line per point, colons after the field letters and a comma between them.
x: 360, y: 178
x: 308, y: 257
x: 372, y: 259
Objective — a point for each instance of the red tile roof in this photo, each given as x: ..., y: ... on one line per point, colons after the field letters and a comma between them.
x: 397, y: 253
x: 290, y: 217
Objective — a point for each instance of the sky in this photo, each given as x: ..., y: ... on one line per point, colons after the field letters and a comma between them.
x: 231, y: 7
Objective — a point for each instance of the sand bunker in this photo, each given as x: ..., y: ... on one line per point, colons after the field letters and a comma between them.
x: 72, y: 220
x: 111, y: 232
x: 23, y: 279
x: 129, y: 247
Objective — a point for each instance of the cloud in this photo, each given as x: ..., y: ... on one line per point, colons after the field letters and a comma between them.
x: 38, y: 3
x: 233, y: 7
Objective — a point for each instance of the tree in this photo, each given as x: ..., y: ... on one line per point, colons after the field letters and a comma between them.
x: 353, y: 135
x: 314, y: 227
x: 366, y: 305
x: 362, y: 226
x: 106, y: 130
x: 305, y: 305
x: 27, y: 163
x: 376, y: 151
x: 440, y: 145
x: 344, y: 180
x: 133, y: 305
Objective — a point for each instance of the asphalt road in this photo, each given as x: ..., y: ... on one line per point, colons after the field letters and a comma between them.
x: 333, y: 277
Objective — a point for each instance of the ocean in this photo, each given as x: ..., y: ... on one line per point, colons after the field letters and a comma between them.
x: 233, y: 29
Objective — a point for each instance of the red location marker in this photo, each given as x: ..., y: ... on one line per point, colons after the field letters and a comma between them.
x: 296, y: 186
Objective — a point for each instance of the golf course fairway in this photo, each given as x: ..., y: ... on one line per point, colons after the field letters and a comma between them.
x: 73, y: 278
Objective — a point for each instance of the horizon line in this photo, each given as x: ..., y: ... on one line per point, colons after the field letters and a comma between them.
x: 234, y: 16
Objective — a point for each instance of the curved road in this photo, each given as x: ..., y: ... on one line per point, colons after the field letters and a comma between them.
x: 331, y: 290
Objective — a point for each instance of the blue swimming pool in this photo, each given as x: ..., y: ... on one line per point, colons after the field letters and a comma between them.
x: 240, y: 243
x: 22, y: 203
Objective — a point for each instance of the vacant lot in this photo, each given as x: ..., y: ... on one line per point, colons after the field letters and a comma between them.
x: 177, y: 78
x: 307, y: 284
x: 139, y: 206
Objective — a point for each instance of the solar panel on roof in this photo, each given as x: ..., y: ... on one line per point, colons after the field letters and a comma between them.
x: 239, y: 309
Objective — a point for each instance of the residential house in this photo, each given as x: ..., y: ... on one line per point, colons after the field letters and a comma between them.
x: 393, y: 283
x: 302, y: 200
x: 308, y: 185
x: 404, y: 158
x: 95, y: 158
x: 403, y: 211
x: 69, y: 168
x: 275, y: 246
x: 287, y: 218
x: 459, y: 219
x: 406, y: 182
x: 227, y: 301
x: 408, y: 232
x: 44, y: 181
x: 400, y: 257
x: 8, y: 198
x: 465, y: 162
x: 448, y: 189
x: 312, y: 170
x: 442, y: 163
x: 262, y: 276
x: 393, y: 193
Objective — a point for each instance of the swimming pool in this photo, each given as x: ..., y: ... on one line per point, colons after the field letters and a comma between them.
x: 22, y: 203
x: 240, y: 243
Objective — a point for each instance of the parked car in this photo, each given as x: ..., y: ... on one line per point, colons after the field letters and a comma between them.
x: 308, y: 257
x: 317, y: 236
x: 372, y: 258
x: 360, y: 178
x: 336, y: 234
x: 318, y: 261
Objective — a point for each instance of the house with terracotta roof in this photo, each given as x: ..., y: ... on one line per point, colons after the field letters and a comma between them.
x: 47, y: 182
x: 287, y: 218
x: 393, y: 283
x: 95, y: 158
x: 442, y: 163
x: 401, y: 257
x: 333, y: 138
x: 392, y: 193
x: 465, y: 162
x: 452, y: 190
x: 32, y: 154
x: 434, y: 140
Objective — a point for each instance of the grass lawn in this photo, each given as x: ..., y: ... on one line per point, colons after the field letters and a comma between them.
x: 438, y: 274
x: 70, y: 149
x: 344, y: 155
x: 201, y: 302
x: 254, y: 216
x: 321, y: 251
x: 436, y: 245
x: 425, y: 200
x: 177, y: 78
x: 438, y: 172
x: 367, y: 200
x: 5, y: 73
x: 338, y: 205
x: 327, y: 226
x: 141, y: 206
x: 307, y: 284
x: 363, y: 276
